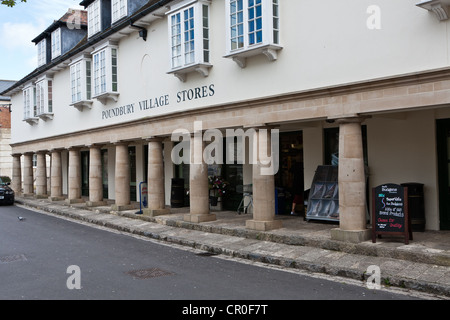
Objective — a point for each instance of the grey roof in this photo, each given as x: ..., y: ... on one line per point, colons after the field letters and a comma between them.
x: 5, y: 84
x: 151, y: 6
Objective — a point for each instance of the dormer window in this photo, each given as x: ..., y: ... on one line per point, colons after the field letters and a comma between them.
x: 119, y: 9
x: 252, y: 29
x: 44, y: 98
x: 42, y: 52
x: 189, y: 38
x: 94, y: 25
x: 56, y: 43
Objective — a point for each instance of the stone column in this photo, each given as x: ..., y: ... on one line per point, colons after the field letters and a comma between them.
x: 352, y: 184
x: 155, y: 179
x: 122, y: 178
x: 74, y: 194
x: 198, y: 183
x: 41, y: 175
x: 263, y: 183
x: 95, y: 177
x: 16, y: 181
x: 28, y: 174
x: 56, y: 176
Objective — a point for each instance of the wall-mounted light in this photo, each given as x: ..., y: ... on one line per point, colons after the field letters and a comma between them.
x: 142, y: 31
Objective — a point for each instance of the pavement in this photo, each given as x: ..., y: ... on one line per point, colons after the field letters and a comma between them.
x: 423, y: 265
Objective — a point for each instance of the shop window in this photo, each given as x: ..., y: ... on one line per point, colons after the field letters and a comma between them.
x: 104, y: 73
x: 253, y: 28
x: 80, y: 83
x: 189, y: 39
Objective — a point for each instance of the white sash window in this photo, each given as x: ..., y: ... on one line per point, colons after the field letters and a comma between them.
x: 252, y: 29
x: 29, y: 103
x: 188, y: 25
x: 42, y: 52
x: 104, y: 73
x: 94, y: 16
x: 44, y: 98
x: 119, y: 9
x: 56, y: 43
x: 80, y: 82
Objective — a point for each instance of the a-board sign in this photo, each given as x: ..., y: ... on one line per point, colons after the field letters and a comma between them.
x: 390, y: 211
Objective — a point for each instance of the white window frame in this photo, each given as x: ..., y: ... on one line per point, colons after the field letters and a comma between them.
x: 44, y: 98
x: 189, y: 38
x: 268, y: 32
x: 105, y: 72
x: 29, y: 104
x: 94, y: 18
x: 119, y: 9
x: 81, y: 82
x: 42, y: 52
x: 56, y: 43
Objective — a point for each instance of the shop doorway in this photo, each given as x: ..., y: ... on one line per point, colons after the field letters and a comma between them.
x: 85, y: 173
x: 105, y: 173
x: 132, y: 162
x: 289, y: 180
x: 443, y: 154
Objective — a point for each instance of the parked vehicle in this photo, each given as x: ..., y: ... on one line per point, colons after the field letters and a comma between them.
x: 6, y: 193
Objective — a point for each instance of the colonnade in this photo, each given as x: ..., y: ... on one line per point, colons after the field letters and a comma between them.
x: 352, y: 200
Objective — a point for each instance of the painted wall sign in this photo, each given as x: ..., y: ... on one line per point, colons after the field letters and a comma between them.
x: 390, y: 211
x: 159, y: 101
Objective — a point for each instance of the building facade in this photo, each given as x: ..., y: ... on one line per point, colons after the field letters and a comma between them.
x: 311, y: 82
x: 5, y: 131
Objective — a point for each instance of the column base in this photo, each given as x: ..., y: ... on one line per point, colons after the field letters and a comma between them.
x: 197, y: 218
x: 72, y: 201
x: 60, y: 198
x: 263, y: 225
x: 124, y: 207
x: 351, y: 236
x: 155, y: 212
x: 95, y: 203
x: 41, y: 196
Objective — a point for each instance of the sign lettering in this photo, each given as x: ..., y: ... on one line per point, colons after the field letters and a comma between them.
x: 159, y: 101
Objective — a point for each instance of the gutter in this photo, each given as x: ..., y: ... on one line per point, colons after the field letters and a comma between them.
x: 89, y: 43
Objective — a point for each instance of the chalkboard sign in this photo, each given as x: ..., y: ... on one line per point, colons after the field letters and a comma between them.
x: 390, y: 211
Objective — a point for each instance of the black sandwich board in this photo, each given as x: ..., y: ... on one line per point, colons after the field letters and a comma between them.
x: 390, y: 211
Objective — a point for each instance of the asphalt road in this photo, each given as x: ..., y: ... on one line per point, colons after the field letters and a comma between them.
x: 35, y: 255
